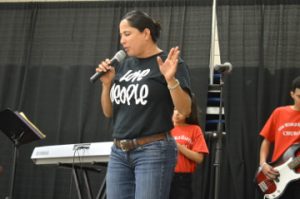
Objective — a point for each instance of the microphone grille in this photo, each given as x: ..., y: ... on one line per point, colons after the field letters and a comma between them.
x: 229, y: 66
x: 120, y: 55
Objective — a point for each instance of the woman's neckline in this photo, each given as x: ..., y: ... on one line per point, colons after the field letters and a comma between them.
x: 151, y: 56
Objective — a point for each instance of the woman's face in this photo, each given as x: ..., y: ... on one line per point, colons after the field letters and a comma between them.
x: 132, y: 40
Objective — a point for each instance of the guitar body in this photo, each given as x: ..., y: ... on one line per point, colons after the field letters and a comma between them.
x: 272, y: 189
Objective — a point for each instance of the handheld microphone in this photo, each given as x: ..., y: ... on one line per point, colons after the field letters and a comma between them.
x: 119, y: 56
x: 223, y: 68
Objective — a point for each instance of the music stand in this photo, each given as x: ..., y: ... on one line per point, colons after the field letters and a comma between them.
x: 19, y: 129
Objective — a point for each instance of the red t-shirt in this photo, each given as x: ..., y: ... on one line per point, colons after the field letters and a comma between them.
x: 282, y: 129
x: 192, y: 137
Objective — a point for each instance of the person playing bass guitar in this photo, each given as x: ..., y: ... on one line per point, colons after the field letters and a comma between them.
x: 282, y: 131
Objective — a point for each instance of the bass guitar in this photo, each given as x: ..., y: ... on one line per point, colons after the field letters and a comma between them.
x: 285, y: 165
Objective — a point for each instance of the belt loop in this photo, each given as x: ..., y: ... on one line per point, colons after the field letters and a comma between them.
x: 168, y: 136
x: 135, y: 143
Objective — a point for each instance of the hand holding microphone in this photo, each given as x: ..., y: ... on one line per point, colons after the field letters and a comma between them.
x: 119, y: 56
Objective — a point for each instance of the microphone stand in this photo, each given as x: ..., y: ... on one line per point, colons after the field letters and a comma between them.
x: 219, y: 135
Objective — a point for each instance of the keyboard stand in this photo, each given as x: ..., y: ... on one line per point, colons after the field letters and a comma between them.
x: 81, y: 158
x: 102, y: 191
x: 81, y: 179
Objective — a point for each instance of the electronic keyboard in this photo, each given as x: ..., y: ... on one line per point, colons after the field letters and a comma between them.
x: 97, y: 152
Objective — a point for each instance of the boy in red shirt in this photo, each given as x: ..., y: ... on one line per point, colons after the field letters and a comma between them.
x: 282, y: 130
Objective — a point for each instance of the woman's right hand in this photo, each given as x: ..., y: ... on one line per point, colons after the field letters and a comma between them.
x: 108, y: 70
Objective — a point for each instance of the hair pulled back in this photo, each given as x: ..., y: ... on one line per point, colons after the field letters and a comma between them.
x: 141, y: 20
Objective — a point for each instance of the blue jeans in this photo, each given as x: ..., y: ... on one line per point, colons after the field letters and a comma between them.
x: 143, y: 173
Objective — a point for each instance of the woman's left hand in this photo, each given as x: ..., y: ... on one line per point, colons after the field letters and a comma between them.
x: 169, y: 67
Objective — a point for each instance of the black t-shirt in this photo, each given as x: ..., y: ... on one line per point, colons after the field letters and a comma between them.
x: 142, y: 103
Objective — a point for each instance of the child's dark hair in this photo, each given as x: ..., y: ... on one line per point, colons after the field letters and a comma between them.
x: 141, y: 20
x: 194, y: 117
x: 295, y: 84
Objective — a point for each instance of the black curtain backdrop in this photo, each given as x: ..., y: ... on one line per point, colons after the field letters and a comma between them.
x: 48, y: 52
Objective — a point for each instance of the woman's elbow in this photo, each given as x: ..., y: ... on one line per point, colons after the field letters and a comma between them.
x: 186, y: 111
x: 107, y: 114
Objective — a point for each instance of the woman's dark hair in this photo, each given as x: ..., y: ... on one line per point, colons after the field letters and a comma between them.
x: 194, y: 117
x: 295, y: 84
x: 141, y: 20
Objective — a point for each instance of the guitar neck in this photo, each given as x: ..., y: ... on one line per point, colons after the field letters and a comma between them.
x: 294, y: 163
